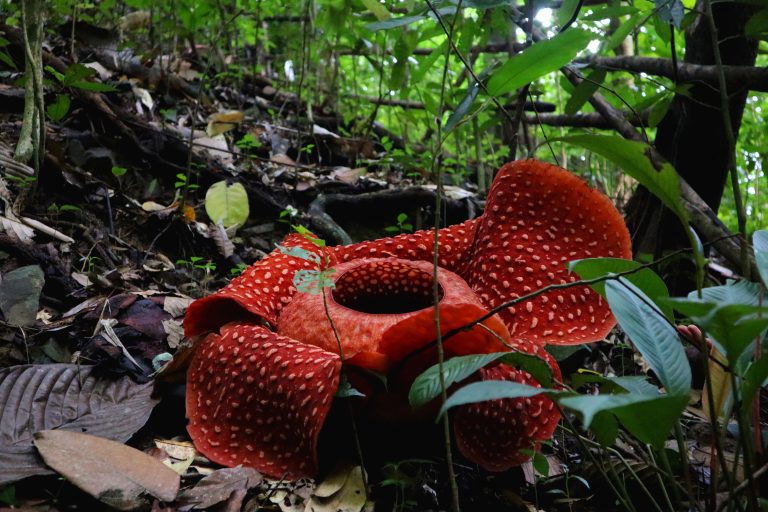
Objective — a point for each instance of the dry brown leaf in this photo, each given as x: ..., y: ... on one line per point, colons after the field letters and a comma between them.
x: 109, y: 471
x: 343, y: 491
x: 222, y: 122
x: 176, y: 306
x: 17, y: 230
x: 347, y: 175
x: 174, y: 331
x: 219, y: 486
x: 65, y: 397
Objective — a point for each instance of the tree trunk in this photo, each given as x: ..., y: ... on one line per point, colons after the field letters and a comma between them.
x: 692, y: 137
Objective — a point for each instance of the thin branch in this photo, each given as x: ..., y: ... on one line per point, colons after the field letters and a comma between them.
x: 737, y: 77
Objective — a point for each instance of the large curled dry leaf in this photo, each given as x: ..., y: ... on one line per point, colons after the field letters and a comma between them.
x: 109, y: 471
x: 66, y: 397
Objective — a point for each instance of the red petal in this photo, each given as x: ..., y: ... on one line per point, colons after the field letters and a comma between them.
x: 262, y: 290
x: 539, y: 217
x: 492, y: 433
x: 368, y: 309
x: 455, y: 247
x: 259, y: 399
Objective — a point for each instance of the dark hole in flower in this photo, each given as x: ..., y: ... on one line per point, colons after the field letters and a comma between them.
x: 385, y: 287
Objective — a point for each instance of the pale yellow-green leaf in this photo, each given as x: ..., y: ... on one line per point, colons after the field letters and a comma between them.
x: 377, y: 9
x: 721, y: 385
x: 227, y: 204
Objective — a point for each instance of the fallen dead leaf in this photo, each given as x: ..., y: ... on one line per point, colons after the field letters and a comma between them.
x: 64, y: 397
x: 220, y: 486
x: 114, y: 473
x: 222, y: 122
x: 343, y: 491
x: 176, y: 306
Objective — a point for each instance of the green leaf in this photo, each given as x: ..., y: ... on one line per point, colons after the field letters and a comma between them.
x: 227, y: 204
x: 651, y: 333
x: 538, y: 60
x: 541, y: 464
x: 494, y: 390
x: 427, y: 385
x: 621, y: 33
x: 92, y: 86
x: 605, y: 428
x: 659, y: 110
x: 378, y: 9
x: 670, y: 11
x: 565, y: 12
x: 757, y: 26
x: 461, y: 111
x: 611, y: 11
x: 417, y: 74
x: 730, y: 314
x: 314, y: 281
x: 118, y: 171
x: 563, y: 352
x: 760, y: 243
x: 59, y: 108
x: 633, y: 411
x: 754, y: 379
x: 6, y: 59
x: 645, y: 279
x: 299, y: 252
x: 633, y: 158
x: 584, y: 91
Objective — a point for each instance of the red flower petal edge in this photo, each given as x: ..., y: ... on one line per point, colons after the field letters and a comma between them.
x: 493, y: 433
x: 538, y: 218
x: 382, y: 310
x: 261, y: 291
x: 260, y: 399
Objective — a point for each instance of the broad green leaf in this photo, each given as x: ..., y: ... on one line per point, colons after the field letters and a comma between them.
x: 633, y: 411
x: 659, y: 110
x: 461, y: 111
x: 757, y: 26
x: 417, y: 74
x: 645, y: 279
x: 730, y: 315
x: 59, y: 108
x: 227, y: 204
x: 92, y: 86
x: 612, y: 11
x: 494, y: 390
x: 563, y: 352
x: 621, y: 33
x: 584, y: 91
x: 754, y: 379
x: 633, y: 158
x: 427, y: 385
x: 394, y: 22
x: 760, y: 243
x: 653, y: 335
x: 538, y: 60
x: 605, y: 428
x: 378, y: 9
x: 565, y: 12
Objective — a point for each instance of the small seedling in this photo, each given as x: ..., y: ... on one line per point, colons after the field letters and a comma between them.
x: 402, y: 226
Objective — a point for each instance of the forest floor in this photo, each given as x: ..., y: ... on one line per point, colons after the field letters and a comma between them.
x: 102, y: 252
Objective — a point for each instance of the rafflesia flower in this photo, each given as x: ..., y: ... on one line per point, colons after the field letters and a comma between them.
x: 261, y: 384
